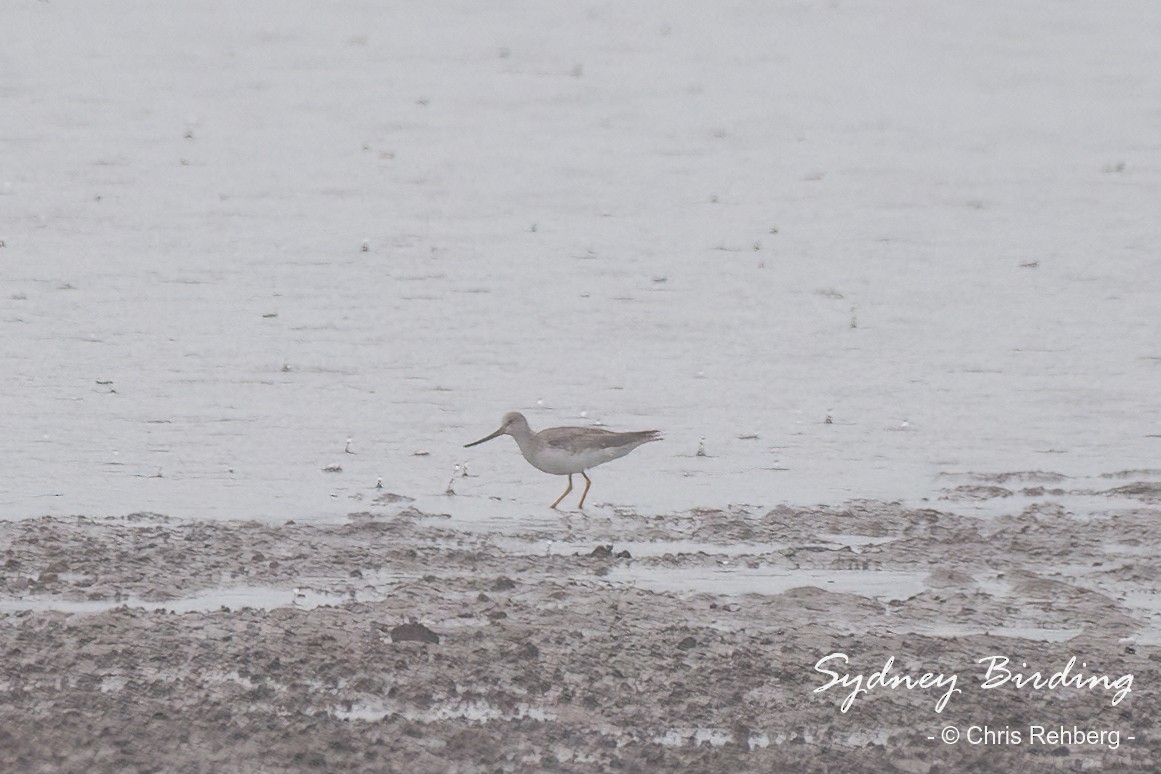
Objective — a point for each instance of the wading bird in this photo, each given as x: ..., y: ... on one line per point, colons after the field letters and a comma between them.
x: 563, y: 451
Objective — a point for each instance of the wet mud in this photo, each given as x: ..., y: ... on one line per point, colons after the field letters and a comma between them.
x: 400, y: 642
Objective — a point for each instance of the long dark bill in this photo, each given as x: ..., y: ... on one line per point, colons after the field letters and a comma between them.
x: 486, y: 438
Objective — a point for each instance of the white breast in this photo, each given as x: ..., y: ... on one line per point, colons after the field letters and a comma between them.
x: 561, y: 462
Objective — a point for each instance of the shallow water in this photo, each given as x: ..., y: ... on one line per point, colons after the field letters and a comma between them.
x: 729, y: 579
x: 259, y: 597
x: 872, y: 249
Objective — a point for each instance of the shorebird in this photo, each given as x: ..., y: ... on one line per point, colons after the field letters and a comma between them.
x: 563, y: 451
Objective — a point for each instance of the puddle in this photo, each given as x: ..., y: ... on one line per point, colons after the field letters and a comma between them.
x: 638, y: 549
x: 853, y: 541
x: 680, y: 737
x: 1081, y: 503
x: 1146, y: 604
x: 235, y: 598
x: 646, y: 549
x: 479, y: 710
x: 736, y: 580
x: 1016, y: 632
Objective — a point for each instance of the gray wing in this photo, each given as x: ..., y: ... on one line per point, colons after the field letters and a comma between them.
x: 575, y: 438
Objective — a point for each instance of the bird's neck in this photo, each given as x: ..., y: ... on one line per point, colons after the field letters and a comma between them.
x: 523, y: 437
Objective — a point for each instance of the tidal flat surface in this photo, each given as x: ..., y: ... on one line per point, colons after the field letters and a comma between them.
x: 400, y: 641
x: 884, y: 276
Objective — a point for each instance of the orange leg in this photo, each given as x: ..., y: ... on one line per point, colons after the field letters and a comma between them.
x: 588, y: 483
x: 566, y: 491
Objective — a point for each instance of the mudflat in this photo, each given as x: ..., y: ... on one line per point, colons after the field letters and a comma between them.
x: 399, y: 641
